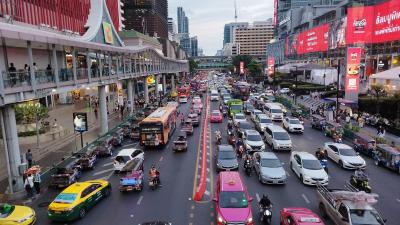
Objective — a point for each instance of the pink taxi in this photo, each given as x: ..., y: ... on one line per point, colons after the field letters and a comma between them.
x: 299, y: 216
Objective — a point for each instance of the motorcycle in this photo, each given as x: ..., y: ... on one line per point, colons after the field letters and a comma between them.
x: 324, y: 164
x: 218, y: 139
x: 337, y: 138
x: 361, y: 184
x: 247, y: 167
x: 153, y: 183
x: 265, y: 215
x: 301, y: 120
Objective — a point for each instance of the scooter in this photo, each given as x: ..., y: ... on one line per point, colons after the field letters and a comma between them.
x: 240, y: 151
x: 360, y: 184
x: 247, y: 167
x: 265, y: 215
x: 324, y: 164
x: 154, y: 183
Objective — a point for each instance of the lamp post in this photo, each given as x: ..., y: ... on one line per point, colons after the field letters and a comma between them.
x: 337, y: 88
x: 294, y: 94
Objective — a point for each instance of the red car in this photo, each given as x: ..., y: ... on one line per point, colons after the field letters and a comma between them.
x: 216, y: 116
x: 299, y: 216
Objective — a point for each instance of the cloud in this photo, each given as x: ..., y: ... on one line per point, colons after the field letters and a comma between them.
x: 208, y: 17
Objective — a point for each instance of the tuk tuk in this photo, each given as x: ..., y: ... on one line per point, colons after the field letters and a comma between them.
x: 364, y: 143
x: 334, y: 130
x: 387, y: 156
x: 118, y: 137
x: 135, y: 132
x: 65, y: 176
x: 180, y: 144
x: 126, y: 129
x: 132, y: 173
x: 317, y: 122
x: 187, y: 127
x: 86, y: 160
x: 104, y: 146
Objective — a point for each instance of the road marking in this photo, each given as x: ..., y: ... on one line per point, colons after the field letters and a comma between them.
x: 161, y: 159
x: 191, y: 215
x: 103, y: 171
x: 131, y: 215
x: 305, y: 198
x: 108, y: 164
x: 107, y: 177
x: 258, y: 197
x: 139, y: 200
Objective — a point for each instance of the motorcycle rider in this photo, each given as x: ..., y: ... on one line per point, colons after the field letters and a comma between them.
x: 265, y: 202
x: 230, y: 124
x: 218, y: 136
x: 320, y: 154
x: 154, y: 174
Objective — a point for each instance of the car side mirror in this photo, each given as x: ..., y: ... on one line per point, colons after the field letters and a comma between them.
x: 336, y: 153
x: 215, y: 199
x: 251, y: 199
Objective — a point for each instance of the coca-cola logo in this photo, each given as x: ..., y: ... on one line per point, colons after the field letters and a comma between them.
x: 360, y: 24
x: 353, y: 55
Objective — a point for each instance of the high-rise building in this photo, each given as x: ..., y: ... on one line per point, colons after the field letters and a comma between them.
x: 171, y: 25
x: 147, y: 16
x: 229, y: 28
x: 183, y: 22
x: 194, y: 48
x: 185, y: 44
x: 253, y: 40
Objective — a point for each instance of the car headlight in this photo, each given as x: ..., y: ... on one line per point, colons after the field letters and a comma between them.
x: 250, y: 219
x: 221, y: 220
x: 248, y: 146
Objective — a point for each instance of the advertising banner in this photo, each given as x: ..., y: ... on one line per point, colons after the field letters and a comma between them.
x: 312, y: 40
x: 241, y: 67
x: 352, y: 72
x: 108, y: 35
x: 374, y: 24
x: 271, y: 65
x: 80, y: 121
x: 337, y: 33
x: 275, y: 13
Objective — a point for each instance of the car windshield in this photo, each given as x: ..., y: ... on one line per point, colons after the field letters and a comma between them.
x: 347, y: 152
x: 365, y: 217
x: 215, y: 114
x: 311, y: 164
x: 250, y: 107
x: 240, y: 117
x: 236, y: 107
x: 226, y: 155
x: 265, y: 120
x: 254, y: 137
x: 282, y: 136
x: 183, y: 97
x: 271, y: 163
x: 6, y: 210
x: 233, y: 199
x: 245, y: 126
x: 294, y: 121
x: 67, y: 198
x: 276, y: 110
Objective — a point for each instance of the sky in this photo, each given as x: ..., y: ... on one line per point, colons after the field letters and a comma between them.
x: 208, y: 17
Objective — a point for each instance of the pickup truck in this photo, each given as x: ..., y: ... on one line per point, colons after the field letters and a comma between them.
x: 347, y: 207
x: 180, y: 144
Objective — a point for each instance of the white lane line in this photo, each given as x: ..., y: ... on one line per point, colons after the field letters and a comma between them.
x: 398, y: 200
x: 305, y: 198
x: 103, y: 171
x: 134, y: 145
x: 108, y: 164
x: 258, y: 197
x: 139, y: 200
x: 161, y: 159
x: 107, y: 177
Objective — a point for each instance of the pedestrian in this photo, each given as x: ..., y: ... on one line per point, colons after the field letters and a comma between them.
x: 348, y: 118
x: 12, y: 71
x: 361, y: 122
x: 122, y: 108
x: 29, y: 185
x: 36, y: 182
x: 96, y: 113
x: 29, y: 158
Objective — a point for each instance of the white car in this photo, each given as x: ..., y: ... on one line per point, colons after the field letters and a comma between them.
x: 285, y: 90
x: 126, y: 157
x: 344, y: 155
x: 254, y: 113
x: 238, y: 118
x: 308, y: 168
x: 293, y: 125
x: 183, y: 99
x: 253, y: 141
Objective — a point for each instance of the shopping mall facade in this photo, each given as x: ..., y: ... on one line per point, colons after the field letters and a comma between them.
x: 323, y: 35
x: 51, y: 49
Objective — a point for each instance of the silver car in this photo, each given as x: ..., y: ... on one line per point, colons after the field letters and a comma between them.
x: 269, y: 168
x: 225, y: 158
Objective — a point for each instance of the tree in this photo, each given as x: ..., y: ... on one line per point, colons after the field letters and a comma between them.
x: 254, y: 68
x: 378, y: 91
x: 25, y: 113
x: 241, y: 58
x: 230, y: 68
x: 193, y: 65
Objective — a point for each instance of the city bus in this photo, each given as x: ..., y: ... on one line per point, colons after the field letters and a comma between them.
x: 235, y: 106
x: 241, y: 90
x: 157, y: 128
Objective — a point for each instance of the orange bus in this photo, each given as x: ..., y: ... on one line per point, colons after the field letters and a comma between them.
x: 157, y: 128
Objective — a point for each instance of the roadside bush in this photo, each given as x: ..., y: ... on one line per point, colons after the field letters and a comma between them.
x: 388, y: 107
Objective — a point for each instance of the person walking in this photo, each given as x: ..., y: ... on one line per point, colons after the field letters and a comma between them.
x: 29, y: 185
x: 29, y: 158
x: 96, y: 113
x: 12, y: 71
x: 36, y: 182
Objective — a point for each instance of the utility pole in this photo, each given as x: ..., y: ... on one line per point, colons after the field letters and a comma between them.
x: 337, y: 89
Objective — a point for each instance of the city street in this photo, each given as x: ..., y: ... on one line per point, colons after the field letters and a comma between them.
x: 173, y: 201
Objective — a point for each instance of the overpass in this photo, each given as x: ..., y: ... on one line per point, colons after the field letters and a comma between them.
x: 213, y: 62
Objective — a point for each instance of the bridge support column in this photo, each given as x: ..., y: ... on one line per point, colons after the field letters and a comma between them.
x: 173, y: 82
x: 131, y: 102
x: 146, y: 91
x: 164, y: 83
x: 103, y: 110
x: 13, y: 155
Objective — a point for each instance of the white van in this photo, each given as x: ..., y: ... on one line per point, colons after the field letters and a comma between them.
x: 214, y: 95
x: 277, y: 138
x: 127, y: 156
x: 274, y: 111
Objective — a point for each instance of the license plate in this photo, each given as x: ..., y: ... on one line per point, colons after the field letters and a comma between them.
x: 275, y: 182
x: 129, y: 188
x: 57, y: 212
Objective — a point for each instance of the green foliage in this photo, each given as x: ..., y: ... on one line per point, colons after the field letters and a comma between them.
x: 254, y: 68
x: 25, y: 113
x: 381, y: 140
x: 30, y: 133
x: 370, y: 105
x: 231, y: 68
x: 193, y: 65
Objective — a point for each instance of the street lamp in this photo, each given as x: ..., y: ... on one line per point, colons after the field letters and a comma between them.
x: 294, y: 93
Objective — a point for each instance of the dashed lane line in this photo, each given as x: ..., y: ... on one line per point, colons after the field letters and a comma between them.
x: 103, y: 171
x: 107, y: 177
x: 258, y: 197
x: 305, y: 198
x: 161, y: 159
x: 139, y: 200
x: 108, y: 164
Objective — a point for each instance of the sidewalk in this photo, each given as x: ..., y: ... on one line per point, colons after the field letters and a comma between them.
x: 52, y: 152
x: 308, y: 102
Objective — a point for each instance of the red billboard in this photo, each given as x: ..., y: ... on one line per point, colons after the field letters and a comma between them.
x: 271, y: 65
x: 374, y: 24
x: 275, y: 13
x: 353, y: 69
x: 313, y: 40
x: 241, y: 67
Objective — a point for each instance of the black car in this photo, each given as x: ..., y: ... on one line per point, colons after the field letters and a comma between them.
x: 225, y: 158
x: 242, y: 127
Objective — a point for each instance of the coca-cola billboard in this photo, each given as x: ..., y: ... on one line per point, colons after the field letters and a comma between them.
x: 312, y: 40
x: 374, y: 24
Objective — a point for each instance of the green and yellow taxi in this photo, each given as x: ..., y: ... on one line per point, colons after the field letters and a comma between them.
x: 73, y: 202
x: 16, y: 215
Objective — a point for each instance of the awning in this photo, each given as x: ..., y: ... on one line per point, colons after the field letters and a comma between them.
x: 392, y: 74
x: 287, y: 67
x: 341, y: 100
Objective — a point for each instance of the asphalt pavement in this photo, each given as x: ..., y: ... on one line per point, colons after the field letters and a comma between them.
x: 173, y: 202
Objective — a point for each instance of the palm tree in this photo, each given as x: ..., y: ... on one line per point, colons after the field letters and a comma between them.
x: 378, y: 90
